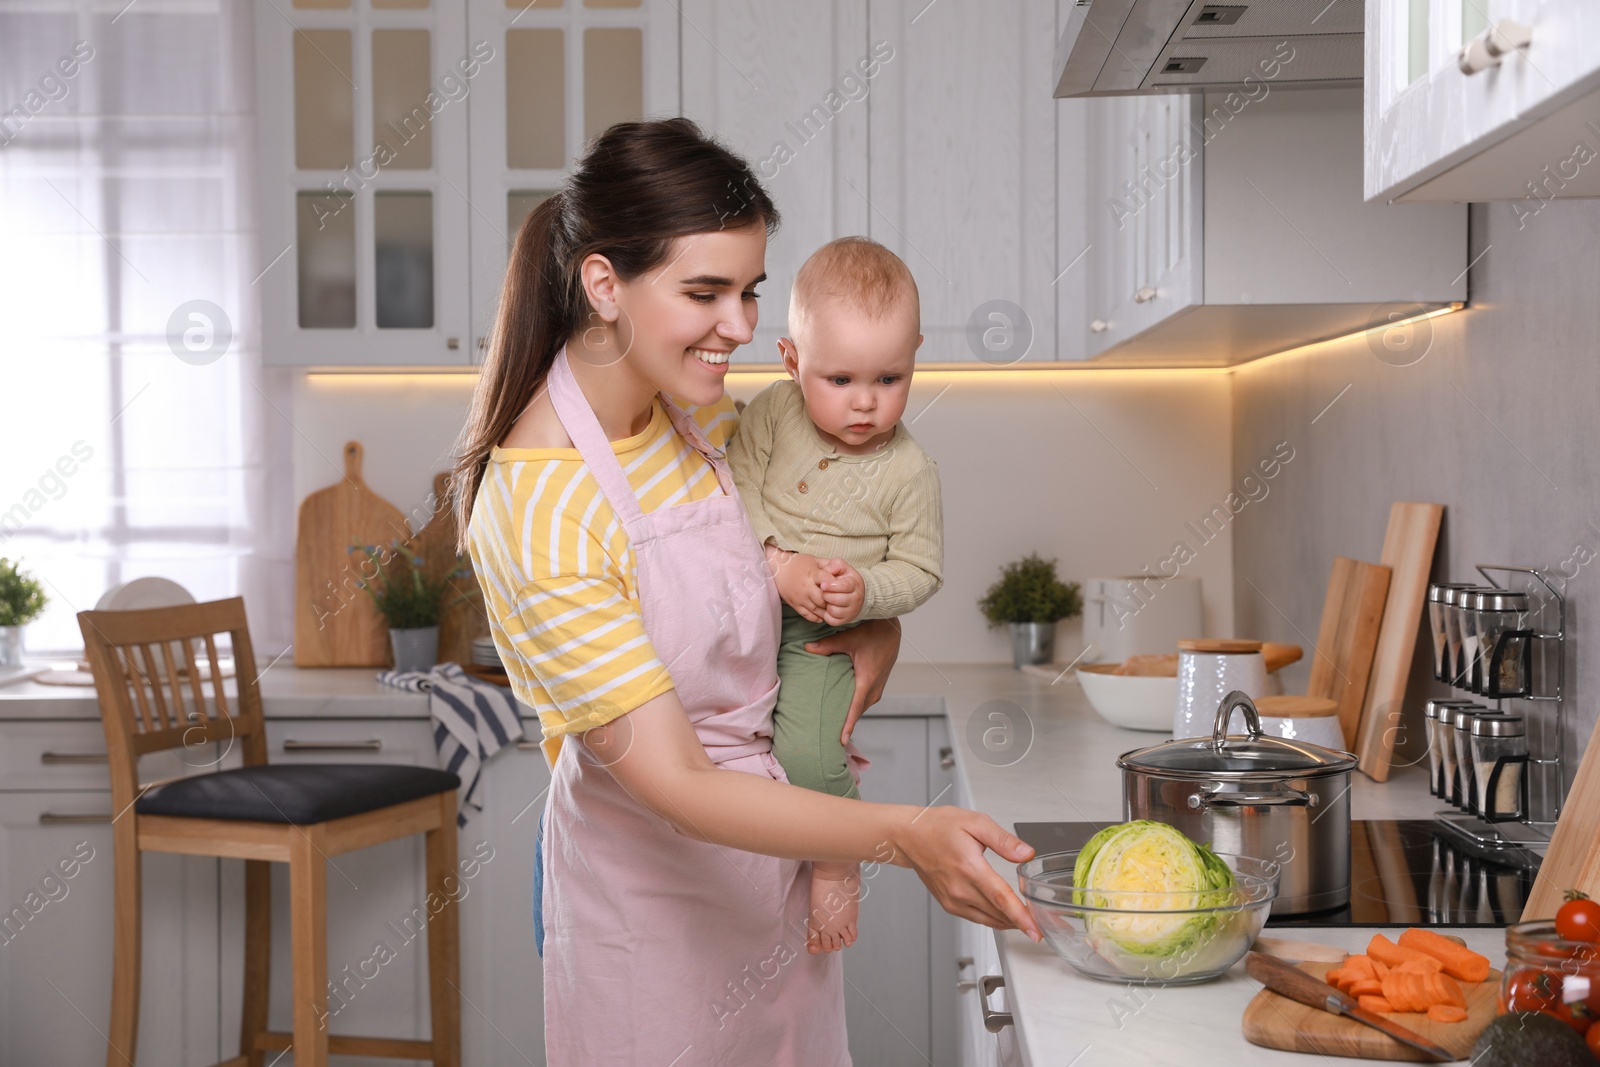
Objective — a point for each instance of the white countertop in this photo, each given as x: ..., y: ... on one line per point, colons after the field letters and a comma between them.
x: 1069, y: 773
x: 290, y: 692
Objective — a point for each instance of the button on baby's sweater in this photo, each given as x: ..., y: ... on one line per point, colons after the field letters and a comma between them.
x: 803, y: 487
x: 822, y: 465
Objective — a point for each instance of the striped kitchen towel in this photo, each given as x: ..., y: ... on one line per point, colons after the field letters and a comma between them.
x: 472, y: 720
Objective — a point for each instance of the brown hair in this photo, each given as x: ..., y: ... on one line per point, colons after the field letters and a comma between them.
x: 639, y: 186
x: 857, y: 270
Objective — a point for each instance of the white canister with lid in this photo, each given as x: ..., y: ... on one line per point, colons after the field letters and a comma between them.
x: 1209, y: 670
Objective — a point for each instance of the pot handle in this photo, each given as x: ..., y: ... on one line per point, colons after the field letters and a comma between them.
x: 1252, y: 718
x: 1297, y: 798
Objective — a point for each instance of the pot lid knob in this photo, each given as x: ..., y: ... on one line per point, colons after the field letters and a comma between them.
x: 1252, y: 718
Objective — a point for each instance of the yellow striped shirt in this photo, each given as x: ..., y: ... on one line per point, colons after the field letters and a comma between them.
x: 557, y: 571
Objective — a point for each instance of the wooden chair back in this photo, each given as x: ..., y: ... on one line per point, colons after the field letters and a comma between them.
x: 160, y: 686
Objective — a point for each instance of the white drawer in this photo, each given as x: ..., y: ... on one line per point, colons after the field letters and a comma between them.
x: 69, y: 756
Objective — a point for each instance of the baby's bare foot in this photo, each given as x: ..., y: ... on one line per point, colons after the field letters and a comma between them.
x: 835, y: 906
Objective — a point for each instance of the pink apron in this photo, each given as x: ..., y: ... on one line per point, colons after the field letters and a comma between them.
x: 660, y: 949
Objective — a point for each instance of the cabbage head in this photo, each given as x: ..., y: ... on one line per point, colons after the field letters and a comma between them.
x: 1150, y: 857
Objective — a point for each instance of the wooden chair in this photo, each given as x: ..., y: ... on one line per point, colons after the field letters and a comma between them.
x: 299, y: 814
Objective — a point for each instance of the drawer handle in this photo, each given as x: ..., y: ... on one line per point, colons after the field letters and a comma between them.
x: 51, y: 818
x: 529, y: 746
x: 372, y: 744
x: 993, y: 1021
x: 947, y: 758
x: 72, y: 757
x: 1143, y: 295
x: 1493, y: 45
x: 964, y: 984
x: 1099, y: 326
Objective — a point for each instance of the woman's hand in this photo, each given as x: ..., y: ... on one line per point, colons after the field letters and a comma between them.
x: 873, y: 646
x: 945, y: 846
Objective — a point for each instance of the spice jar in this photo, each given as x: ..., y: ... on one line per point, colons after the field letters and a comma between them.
x: 1466, y: 795
x: 1544, y: 972
x: 1499, y: 760
x: 1436, y: 626
x: 1444, y: 732
x: 1504, y: 644
x: 1455, y: 650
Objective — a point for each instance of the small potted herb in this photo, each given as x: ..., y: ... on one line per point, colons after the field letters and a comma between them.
x: 1031, y: 599
x: 21, y: 600
x: 409, y: 600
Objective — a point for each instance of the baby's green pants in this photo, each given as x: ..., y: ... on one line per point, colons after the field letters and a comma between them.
x: 813, y: 700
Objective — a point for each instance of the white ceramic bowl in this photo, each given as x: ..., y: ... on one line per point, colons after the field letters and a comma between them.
x: 1132, y: 702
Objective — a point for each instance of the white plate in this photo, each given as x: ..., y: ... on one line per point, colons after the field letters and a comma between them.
x: 144, y: 593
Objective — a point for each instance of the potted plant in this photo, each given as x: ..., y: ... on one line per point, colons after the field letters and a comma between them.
x: 21, y: 600
x: 1031, y: 599
x: 409, y: 600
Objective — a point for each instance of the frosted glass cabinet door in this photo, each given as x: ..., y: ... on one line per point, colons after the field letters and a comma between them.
x: 362, y: 134
x: 563, y: 71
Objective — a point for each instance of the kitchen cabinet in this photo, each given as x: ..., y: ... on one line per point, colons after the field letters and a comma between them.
x: 963, y: 184
x: 392, y: 178
x: 1225, y: 228
x: 1522, y: 126
x: 56, y: 888
x: 788, y: 87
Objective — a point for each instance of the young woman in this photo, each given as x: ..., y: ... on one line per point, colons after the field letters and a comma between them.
x: 635, y: 613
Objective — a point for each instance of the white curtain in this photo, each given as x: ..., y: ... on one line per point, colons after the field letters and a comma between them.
x: 136, y: 438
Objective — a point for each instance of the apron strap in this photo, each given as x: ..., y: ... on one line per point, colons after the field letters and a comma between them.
x: 691, y: 432
x: 579, y: 420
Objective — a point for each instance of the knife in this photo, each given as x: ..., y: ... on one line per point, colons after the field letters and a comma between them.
x: 1297, y: 985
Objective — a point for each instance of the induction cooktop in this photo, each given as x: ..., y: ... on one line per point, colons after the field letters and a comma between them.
x: 1407, y: 872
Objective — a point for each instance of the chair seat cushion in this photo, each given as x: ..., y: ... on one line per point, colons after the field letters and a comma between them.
x: 296, y: 793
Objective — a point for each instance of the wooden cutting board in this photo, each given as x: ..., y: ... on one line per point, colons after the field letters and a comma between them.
x: 1347, y: 639
x: 1277, y: 1022
x: 1573, y: 860
x: 335, y: 622
x: 461, y: 618
x: 1408, y: 553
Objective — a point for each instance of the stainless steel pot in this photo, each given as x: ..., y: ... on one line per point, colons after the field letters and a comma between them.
x: 1253, y: 795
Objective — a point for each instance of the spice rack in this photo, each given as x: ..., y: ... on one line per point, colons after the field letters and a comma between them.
x: 1544, y: 782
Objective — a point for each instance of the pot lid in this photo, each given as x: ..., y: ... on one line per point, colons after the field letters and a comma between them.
x: 1238, y: 756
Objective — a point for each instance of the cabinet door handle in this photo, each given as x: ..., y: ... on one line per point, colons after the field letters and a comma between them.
x: 372, y: 744
x: 528, y: 746
x: 1493, y: 45
x: 1099, y: 326
x: 1143, y: 295
x: 993, y: 1021
x: 947, y: 758
x: 72, y: 757
x: 50, y: 818
x: 964, y: 984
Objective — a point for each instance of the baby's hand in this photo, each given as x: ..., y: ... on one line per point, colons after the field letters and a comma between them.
x: 844, y: 593
x: 800, y: 581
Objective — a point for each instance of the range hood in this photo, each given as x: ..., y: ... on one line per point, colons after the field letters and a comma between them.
x: 1123, y: 47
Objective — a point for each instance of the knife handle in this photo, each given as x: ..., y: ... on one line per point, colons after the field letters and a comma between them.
x: 1290, y: 981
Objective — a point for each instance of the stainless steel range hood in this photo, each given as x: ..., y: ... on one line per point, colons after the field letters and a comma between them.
x: 1121, y: 47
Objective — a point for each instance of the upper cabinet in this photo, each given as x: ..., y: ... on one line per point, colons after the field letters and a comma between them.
x: 787, y: 86
x: 392, y: 178
x: 1229, y: 226
x: 1482, y: 100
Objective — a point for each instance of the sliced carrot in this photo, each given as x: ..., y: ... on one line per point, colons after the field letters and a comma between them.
x: 1376, y: 1004
x: 1425, y: 965
x: 1394, y: 991
x: 1445, y: 990
x: 1379, y: 968
x: 1447, y: 1013
x: 1381, y: 948
x: 1458, y: 960
x: 1366, y: 987
x: 1360, y: 966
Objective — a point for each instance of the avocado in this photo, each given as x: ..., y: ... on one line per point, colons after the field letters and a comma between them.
x: 1524, y: 1038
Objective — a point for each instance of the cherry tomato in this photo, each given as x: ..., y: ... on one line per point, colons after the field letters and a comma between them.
x: 1532, y: 991
x: 1579, y: 918
x: 1592, y: 1039
x: 1576, y: 1015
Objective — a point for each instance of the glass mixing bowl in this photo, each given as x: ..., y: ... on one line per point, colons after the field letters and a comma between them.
x: 1149, y: 938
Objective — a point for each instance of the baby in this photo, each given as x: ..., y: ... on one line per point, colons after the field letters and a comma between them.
x: 841, y: 496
